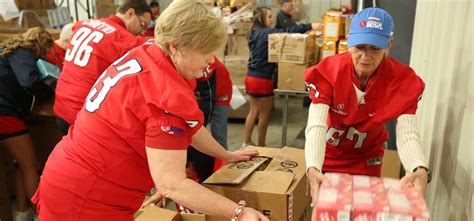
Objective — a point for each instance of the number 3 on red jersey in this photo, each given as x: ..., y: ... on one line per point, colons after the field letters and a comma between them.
x: 108, y: 80
x: 81, y: 50
x: 334, y: 136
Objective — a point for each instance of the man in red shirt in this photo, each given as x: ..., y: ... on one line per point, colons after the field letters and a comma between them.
x: 94, y: 45
x: 353, y: 96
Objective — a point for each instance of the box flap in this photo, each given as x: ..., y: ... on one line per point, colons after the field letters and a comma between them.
x: 269, y: 152
x: 258, y: 182
x: 235, y: 173
x: 150, y: 213
x: 289, y: 160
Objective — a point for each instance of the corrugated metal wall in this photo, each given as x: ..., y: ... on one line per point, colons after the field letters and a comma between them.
x: 442, y: 54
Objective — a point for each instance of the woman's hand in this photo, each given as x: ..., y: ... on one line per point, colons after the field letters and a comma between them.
x: 249, y: 214
x: 315, y: 178
x: 240, y: 155
x: 156, y: 199
x: 417, y: 179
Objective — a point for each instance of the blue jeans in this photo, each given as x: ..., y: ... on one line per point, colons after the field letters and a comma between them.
x: 219, y: 124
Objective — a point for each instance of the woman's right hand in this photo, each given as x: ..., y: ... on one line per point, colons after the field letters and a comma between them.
x: 317, y: 26
x: 315, y: 178
x: 249, y: 214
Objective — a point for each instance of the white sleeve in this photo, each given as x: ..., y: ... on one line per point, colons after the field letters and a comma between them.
x: 316, y: 129
x: 409, y: 143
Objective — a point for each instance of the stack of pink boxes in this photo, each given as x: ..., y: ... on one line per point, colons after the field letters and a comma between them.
x: 364, y: 198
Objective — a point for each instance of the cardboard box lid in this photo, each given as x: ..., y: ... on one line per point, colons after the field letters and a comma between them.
x: 285, y: 169
x: 235, y: 173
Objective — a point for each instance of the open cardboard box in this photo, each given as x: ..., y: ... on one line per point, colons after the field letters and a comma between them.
x: 273, y: 183
x: 154, y: 213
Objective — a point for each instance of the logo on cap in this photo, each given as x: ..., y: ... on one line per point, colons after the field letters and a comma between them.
x: 373, y: 22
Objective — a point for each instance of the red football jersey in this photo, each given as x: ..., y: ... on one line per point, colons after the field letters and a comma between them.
x: 140, y: 100
x: 356, y: 133
x: 223, y: 82
x: 56, y: 56
x: 94, y: 45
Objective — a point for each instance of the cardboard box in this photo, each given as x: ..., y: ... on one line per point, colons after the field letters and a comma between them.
x: 153, y: 213
x: 342, y: 46
x: 104, y: 10
x: 291, y: 76
x: 292, y: 48
x: 242, y: 28
x: 373, y: 198
x: 391, y: 165
x: 238, y: 45
x: 277, y: 190
x: 329, y: 49
x: 332, y: 25
x: 29, y: 4
x: 237, y: 67
x: 347, y: 25
x: 48, y: 4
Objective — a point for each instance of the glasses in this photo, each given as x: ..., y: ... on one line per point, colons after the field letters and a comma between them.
x: 142, y: 23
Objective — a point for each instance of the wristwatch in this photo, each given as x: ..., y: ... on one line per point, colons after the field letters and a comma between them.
x: 427, y: 171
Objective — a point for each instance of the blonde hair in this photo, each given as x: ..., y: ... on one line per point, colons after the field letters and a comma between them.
x: 36, y: 39
x: 189, y: 24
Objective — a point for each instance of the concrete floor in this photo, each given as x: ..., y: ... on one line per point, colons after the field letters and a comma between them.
x: 297, y: 117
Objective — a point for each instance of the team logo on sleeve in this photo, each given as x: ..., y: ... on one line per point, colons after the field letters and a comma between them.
x: 192, y: 123
x: 312, y: 89
x: 173, y: 130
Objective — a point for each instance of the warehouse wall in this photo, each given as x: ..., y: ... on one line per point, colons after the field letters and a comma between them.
x: 442, y: 54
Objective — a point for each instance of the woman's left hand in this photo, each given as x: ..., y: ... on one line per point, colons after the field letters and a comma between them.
x: 241, y: 155
x: 417, y: 179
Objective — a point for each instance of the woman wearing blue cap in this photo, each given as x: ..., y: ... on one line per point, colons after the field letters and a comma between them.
x: 353, y: 96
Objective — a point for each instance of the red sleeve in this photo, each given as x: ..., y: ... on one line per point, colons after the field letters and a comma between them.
x: 165, y: 131
x: 418, y: 93
x: 224, y: 84
x: 320, y: 89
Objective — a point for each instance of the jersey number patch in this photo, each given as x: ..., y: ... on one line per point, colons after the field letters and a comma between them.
x: 334, y: 136
x: 108, y: 80
x: 81, y: 50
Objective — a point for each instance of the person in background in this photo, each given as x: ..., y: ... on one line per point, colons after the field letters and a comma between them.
x: 354, y: 94
x: 259, y: 82
x: 155, y: 13
x: 155, y: 10
x: 135, y: 127
x: 57, y: 53
x: 284, y: 19
x: 214, y: 92
x: 20, y: 85
x: 94, y: 45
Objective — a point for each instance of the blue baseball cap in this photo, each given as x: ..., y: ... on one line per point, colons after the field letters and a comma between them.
x: 373, y: 26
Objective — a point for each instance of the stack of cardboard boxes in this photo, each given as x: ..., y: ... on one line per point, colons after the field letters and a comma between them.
x: 293, y: 53
x: 105, y: 8
x: 235, y: 58
x: 336, y: 30
x: 40, y: 7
